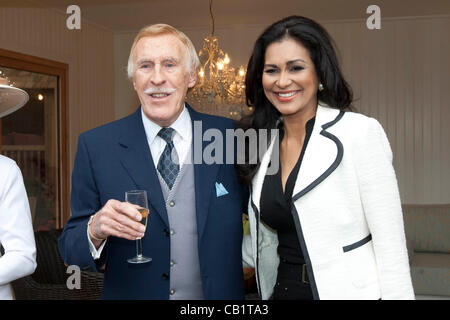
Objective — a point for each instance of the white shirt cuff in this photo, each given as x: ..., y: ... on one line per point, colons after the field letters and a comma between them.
x: 94, y: 252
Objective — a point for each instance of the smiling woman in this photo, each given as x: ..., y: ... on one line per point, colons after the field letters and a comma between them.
x: 290, y: 80
x: 280, y: 85
x: 334, y: 201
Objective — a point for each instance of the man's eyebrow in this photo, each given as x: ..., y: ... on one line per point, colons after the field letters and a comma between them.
x: 141, y: 61
x: 168, y: 58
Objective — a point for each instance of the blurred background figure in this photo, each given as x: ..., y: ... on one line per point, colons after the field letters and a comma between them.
x: 17, y: 244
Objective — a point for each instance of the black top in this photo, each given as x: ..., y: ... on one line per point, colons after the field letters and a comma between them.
x: 276, y: 206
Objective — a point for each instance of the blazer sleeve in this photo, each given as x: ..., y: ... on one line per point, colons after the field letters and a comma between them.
x: 382, y: 207
x: 84, y: 202
x: 16, y: 229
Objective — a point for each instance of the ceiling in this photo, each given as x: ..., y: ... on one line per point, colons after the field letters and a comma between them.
x: 130, y: 16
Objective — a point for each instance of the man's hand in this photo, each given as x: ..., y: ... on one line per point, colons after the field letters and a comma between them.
x: 118, y: 219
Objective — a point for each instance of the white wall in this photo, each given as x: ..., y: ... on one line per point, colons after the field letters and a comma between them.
x: 400, y: 75
x: 125, y: 99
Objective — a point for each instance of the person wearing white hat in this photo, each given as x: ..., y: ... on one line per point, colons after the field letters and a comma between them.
x: 16, y: 229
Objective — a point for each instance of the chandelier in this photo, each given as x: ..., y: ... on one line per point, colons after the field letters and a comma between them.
x: 219, y: 85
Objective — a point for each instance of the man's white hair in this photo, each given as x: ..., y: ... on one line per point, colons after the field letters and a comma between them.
x: 192, y: 61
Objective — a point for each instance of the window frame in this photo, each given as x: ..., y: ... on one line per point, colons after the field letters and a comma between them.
x: 11, y: 59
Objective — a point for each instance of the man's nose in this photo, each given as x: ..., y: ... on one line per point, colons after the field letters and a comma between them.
x: 157, y: 76
x: 283, y: 80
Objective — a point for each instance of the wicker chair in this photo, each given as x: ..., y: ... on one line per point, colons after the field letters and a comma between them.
x: 48, y: 282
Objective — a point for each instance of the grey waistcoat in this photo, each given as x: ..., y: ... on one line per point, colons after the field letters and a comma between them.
x: 185, y: 279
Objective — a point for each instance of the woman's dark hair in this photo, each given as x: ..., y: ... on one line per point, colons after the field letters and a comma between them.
x: 336, y: 93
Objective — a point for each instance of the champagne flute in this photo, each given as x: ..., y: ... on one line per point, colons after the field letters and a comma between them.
x: 139, y: 198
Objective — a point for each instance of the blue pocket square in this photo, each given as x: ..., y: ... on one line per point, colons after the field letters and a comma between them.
x: 220, y: 190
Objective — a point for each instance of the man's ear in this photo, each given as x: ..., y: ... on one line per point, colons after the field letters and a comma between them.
x: 193, y: 77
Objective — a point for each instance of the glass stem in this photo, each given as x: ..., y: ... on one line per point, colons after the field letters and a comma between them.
x: 139, y: 247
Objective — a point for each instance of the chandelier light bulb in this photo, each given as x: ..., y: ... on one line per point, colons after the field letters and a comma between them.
x: 227, y: 59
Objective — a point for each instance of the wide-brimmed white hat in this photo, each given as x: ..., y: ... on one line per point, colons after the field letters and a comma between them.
x: 11, y: 98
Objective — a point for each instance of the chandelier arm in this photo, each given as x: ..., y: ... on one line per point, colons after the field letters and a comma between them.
x: 209, y: 61
x: 212, y: 17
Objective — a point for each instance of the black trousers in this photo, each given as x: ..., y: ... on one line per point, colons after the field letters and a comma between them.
x: 289, y: 285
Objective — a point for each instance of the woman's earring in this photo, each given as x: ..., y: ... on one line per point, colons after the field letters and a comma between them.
x: 320, y: 87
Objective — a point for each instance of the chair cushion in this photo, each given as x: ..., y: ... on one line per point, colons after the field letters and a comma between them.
x: 50, y: 266
x: 430, y: 273
x: 427, y: 227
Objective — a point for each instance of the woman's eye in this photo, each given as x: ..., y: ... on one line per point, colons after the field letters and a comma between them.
x: 297, y: 68
x: 269, y: 71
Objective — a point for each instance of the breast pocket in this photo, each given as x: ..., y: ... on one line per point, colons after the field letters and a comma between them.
x: 360, y: 262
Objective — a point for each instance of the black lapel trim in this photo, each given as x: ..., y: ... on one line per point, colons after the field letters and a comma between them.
x: 357, y: 244
x: 256, y: 211
x: 322, y: 177
x: 334, y: 165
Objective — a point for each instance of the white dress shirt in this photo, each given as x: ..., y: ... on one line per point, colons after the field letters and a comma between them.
x: 182, y: 141
x: 182, y: 137
x: 16, y: 229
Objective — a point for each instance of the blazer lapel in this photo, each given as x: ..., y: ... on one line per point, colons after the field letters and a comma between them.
x: 323, y: 153
x: 136, y: 158
x: 258, y: 179
x: 322, y: 156
x: 204, y: 174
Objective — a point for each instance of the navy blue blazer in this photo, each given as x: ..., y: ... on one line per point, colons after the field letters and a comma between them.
x: 116, y: 157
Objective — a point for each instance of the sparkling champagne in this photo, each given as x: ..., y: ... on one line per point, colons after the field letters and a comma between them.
x: 144, y: 213
x: 139, y: 199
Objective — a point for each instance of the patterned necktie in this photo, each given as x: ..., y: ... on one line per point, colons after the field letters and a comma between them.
x: 168, y: 164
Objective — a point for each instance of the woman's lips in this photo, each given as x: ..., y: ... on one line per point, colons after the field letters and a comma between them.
x: 286, y: 96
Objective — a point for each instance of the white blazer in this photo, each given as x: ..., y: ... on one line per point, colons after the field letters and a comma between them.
x: 347, y: 212
x: 16, y: 230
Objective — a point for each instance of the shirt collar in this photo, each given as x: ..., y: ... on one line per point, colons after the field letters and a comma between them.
x: 182, y: 126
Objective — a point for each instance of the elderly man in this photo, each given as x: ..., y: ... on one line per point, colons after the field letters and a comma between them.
x: 194, y: 231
